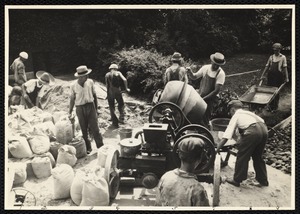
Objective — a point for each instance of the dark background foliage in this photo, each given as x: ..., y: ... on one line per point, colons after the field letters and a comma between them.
x: 60, y: 40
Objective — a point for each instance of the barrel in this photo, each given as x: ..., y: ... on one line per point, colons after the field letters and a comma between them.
x: 125, y: 133
x: 186, y: 98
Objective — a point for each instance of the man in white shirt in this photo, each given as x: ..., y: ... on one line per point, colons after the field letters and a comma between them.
x: 83, y: 96
x: 34, y: 89
x: 18, y: 68
x: 276, y: 69
x: 213, y: 78
x: 254, y: 135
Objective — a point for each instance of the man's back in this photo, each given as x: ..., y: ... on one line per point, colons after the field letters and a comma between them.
x: 179, y: 188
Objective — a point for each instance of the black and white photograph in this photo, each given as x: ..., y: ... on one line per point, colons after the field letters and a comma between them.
x: 150, y: 107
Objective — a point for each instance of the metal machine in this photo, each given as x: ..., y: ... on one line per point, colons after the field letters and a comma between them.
x: 153, y: 151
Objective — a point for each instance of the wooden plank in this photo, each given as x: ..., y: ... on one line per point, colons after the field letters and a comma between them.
x: 239, y: 74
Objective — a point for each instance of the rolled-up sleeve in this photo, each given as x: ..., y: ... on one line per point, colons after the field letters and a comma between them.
x: 284, y: 62
x: 230, y: 130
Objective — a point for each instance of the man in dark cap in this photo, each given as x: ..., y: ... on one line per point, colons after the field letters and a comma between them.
x: 253, y: 137
x: 180, y: 187
x: 213, y: 78
x: 175, y: 71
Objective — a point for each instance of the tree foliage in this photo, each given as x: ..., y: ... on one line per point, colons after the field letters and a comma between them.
x: 60, y: 40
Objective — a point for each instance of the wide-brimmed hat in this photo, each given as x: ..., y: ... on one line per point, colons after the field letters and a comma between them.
x: 277, y: 46
x: 113, y: 66
x: 45, y: 77
x: 24, y: 55
x: 176, y: 56
x: 82, y: 70
x: 218, y: 58
x: 235, y: 103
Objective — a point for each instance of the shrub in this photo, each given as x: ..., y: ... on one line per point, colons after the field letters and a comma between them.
x: 144, y: 69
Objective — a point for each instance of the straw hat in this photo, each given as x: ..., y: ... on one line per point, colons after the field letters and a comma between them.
x: 24, y: 55
x: 82, y: 71
x: 113, y: 66
x: 45, y: 78
x: 176, y: 56
x: 218, y: 58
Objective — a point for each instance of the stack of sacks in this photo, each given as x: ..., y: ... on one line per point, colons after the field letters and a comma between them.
x: 64, y: 130
x: 66, y: 155
x: 89, y: 188
x: 18, y: 147
x: 20, y: 174
x: 63, y: 176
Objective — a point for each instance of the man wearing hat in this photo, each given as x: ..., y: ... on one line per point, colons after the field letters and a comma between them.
x: 83, y: 96
x: 114, y: 80
x: 277, y: 73
x: 253, y: 137
x: 34, y: 89
x: 18, y: 68
x: 175, y: 71
x: 180, y: 186
x: 213, y: 78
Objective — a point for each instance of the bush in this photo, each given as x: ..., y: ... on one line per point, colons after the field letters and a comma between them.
x: 144, y: 69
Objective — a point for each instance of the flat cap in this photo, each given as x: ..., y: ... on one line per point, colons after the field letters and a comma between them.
x: 191, y: 145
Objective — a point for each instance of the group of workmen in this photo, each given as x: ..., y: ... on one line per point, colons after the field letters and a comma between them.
x: 178, y: 187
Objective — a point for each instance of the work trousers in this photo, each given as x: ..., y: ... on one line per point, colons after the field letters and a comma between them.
x: 111, y: 102
x: 252, y: 144
x: 87, y: 117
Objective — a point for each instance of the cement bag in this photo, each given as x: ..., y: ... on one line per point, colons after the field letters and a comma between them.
x: 102, y: 154
x: 20, y: 173
x: 57, y: 115
x: 64, y: 130
x: 50, y: 156
x: 79, y: 145
x: 46, y: 116
x: 66, y: 155
x: 95, y: 192
x: 19, y: 147
x: 63, y: 176
x: 47, y: 128
x: 41, y: 167
x: 76, y: 187
x: 39, y: 144
x: 32, y: 115
x: 54, y: 146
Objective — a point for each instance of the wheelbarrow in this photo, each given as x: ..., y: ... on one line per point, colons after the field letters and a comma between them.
x: 260, y: 96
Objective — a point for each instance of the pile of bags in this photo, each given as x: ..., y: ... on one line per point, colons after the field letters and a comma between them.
x: 44, y: 138
x: 50, y: 143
